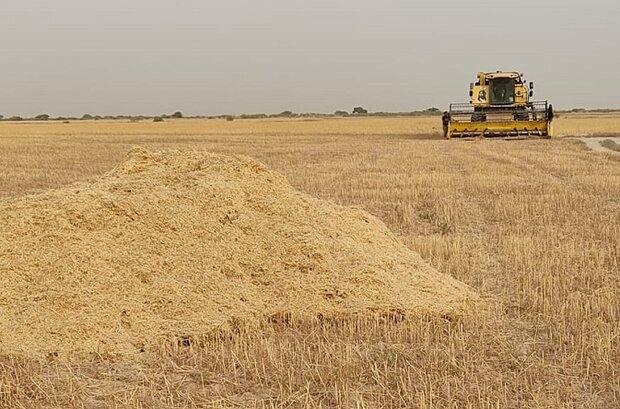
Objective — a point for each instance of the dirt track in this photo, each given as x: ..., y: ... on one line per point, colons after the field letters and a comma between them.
x: 594, y: 143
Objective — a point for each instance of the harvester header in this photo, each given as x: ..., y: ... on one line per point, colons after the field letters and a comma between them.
x: 500, y: 105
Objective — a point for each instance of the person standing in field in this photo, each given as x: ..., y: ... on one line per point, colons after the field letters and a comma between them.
x: 445, y: 121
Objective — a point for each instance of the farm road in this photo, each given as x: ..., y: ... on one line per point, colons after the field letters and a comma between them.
x: 594, y: 143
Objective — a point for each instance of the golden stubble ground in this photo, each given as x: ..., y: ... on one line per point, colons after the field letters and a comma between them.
x: 531, y: 225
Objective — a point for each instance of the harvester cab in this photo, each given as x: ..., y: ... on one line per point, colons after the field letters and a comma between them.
x: 500, y: 105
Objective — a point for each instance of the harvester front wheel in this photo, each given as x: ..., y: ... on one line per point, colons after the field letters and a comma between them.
x: 550, y: 113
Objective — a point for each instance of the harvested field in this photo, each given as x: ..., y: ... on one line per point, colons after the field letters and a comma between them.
x: 530, y: 225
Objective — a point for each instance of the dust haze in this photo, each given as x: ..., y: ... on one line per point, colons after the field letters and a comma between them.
x: 148, y: 57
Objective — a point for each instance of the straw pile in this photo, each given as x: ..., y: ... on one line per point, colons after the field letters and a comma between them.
x: 182, y: 243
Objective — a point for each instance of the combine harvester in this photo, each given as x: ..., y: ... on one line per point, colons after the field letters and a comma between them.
x: 500, y: 106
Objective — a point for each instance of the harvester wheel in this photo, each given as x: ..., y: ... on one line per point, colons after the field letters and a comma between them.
x: 550, y: 113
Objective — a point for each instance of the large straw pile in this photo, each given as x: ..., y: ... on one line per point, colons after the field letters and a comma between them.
x: 182, y: 243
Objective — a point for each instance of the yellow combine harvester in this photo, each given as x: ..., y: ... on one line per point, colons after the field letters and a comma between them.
x: 500, y: 106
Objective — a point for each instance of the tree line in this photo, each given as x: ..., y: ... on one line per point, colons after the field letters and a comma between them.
x: 357, y: 111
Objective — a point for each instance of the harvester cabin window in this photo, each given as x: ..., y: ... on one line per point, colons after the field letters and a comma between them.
x: 503, y: 91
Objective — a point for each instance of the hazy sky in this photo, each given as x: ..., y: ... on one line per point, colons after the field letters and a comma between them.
x: 68, y: 57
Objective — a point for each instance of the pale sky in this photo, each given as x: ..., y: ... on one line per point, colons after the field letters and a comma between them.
x: 69, y: 57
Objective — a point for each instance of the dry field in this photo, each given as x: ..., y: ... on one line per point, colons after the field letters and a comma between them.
x: 531, y: 225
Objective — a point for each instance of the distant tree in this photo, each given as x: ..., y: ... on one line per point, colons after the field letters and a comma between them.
x: 252, y: 116
x: 1, y: 117
x: 341, y: 113
x: 42, y: 117
x: 15, y: 118
x: 360, y: 111
x: 230, y: 118
x: 286, y: 114
x: 432, y: 110
x: 158, y: 119
x: 87, y: 117
x: 177, y: 115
